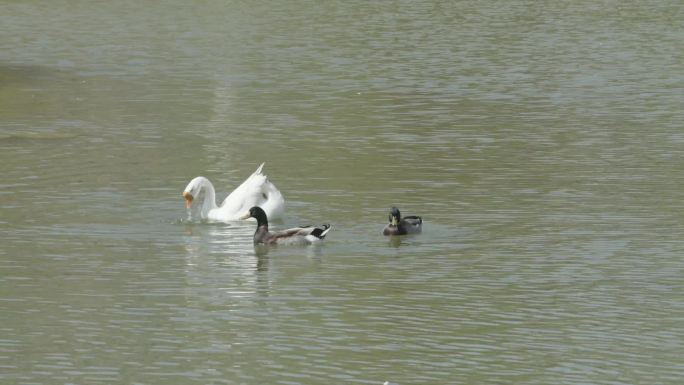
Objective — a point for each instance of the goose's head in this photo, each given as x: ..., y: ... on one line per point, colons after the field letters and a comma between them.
x: 193, y: 189
x: 395, y: 216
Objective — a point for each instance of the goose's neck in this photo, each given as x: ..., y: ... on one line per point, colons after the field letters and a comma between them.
x: 209, y: 197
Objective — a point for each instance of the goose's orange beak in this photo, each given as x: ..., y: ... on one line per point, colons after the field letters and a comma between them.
x: 188, y: 199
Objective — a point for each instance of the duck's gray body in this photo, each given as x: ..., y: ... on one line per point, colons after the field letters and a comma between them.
x: 293, y: 236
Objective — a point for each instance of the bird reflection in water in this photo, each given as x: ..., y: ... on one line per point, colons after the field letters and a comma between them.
x: 222, y: 266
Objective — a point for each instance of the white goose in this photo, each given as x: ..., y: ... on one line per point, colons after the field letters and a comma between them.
x: 256, y: 190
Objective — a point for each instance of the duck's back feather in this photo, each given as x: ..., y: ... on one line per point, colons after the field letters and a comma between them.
x: 294, y: 236
x: 412, y: 224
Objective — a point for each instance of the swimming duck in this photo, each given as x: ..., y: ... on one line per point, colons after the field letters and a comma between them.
x: 256, y: 190
x: 401, y: 226
x: 294, y: 236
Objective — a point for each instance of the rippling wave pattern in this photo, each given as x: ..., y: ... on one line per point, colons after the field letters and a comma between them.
x: 541, y: 142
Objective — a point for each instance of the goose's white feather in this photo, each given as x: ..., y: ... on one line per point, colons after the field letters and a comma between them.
x: 256, y: 190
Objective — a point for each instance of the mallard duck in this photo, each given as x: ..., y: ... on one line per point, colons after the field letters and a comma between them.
x: 401, y: 226
x: 256, y: 190
x: 294, y: 236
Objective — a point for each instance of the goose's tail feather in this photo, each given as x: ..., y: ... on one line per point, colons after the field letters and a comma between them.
x: 258, y: 170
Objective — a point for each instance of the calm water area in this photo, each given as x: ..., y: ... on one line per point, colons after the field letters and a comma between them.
x: 541, y: 141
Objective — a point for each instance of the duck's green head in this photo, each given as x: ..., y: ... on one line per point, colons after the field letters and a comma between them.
x: 395, y: 216
x: 257, y: 213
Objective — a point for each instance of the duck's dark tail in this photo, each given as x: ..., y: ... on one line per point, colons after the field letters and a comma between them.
x: 321, y: 232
